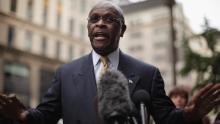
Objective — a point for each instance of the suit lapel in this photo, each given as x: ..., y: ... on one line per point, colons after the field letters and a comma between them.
x: 85, y: 89
x: 86, y: 74
x: 128, y: 72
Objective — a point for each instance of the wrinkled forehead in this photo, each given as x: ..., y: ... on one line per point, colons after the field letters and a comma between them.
x: 105, y: 5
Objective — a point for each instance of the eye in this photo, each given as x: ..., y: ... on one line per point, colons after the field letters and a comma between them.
x: 107, y: 19
x: 93, y: 18
x: 110, y: 19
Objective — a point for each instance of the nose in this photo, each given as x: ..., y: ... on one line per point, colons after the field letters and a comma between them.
x: 100, y: 22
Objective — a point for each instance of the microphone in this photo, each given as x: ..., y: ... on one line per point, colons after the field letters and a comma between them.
x: 141, y: 98
x: 114, y: 101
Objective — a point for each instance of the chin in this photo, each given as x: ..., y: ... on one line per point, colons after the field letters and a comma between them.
x: 102, y: 51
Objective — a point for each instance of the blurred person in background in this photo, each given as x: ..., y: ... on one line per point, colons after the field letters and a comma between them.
x: 74, y: 88
x: 179, y: 96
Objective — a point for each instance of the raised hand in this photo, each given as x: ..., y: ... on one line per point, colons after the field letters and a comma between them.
x: 203, y: 102
x: 12, y: 108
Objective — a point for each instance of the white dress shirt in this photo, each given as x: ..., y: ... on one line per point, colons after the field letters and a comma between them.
x: 97, y: 64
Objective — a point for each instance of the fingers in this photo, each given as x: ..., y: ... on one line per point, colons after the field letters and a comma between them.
x: 207, y: 98
x: 6, y: 101
x: 216, y: 103
x: 3, y: 98
x: 10, y: 106
x: 3, y: 102
x: 215, y: 98
x: 213, y: 91
x: 12, y: 95
x: 13, y: 99
x: 204, y: 101
x: 211, y: 104
x: 198, y: 97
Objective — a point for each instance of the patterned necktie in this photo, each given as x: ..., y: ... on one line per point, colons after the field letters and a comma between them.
x: 105, y: 62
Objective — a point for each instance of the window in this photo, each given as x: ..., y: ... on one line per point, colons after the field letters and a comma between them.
x: 82, y: 6
x: 138, y: 22
x: 58, y: 21
x: 28, y: 40
x: 82, y: 51
x: 16, y: 80
x: 58, y: 44
x: 136, y: 48
x: 161, y: 30
x: 72, y: 4
x: 82, y: 31
x: 29, y: 9
x: 11, y: 36
x: 13, y: 5
x: 136, y: 35
x: 59, y: 13
x: 160, y: 58
x: 161, y: 33
x: 45, y: 11
x: 44, y: 45
x: 71, y: 27
x: 161, y: 45
x: 70, y: 52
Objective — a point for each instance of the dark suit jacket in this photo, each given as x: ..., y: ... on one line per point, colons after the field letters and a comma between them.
x: 72, y: 95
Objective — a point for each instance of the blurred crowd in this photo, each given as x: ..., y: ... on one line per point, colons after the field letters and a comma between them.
x: 180, y: 97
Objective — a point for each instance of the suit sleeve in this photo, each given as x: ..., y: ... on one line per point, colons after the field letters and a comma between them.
x: 49, y: 111
x: 162, y: 108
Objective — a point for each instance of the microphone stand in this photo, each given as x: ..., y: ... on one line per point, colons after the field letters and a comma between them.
x: 143, y: 113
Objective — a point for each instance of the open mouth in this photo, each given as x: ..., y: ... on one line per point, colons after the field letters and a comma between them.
x: 100, y: 36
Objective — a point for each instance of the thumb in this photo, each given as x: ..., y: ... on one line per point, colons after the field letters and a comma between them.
x: 13, y: 98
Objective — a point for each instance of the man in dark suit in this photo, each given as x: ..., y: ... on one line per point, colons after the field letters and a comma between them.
x: 72, y: 95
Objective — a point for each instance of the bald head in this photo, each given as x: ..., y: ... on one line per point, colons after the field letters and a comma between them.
x: 105, y: 27
x: 109, y: 5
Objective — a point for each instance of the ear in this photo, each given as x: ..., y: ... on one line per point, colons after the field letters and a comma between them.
x: 123, y: 29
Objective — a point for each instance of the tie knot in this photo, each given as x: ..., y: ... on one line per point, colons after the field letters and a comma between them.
x: 104, y: 60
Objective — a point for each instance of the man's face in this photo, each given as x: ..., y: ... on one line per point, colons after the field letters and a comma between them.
x: 104, y: 29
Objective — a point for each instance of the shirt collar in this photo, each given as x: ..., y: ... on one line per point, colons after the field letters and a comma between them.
x: 113, y: 58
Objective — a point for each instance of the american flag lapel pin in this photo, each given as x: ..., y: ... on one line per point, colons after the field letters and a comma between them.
x: 130, y: 81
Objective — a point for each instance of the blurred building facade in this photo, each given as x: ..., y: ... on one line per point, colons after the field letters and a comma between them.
x: 148, y: 37
x: 36, y: 36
